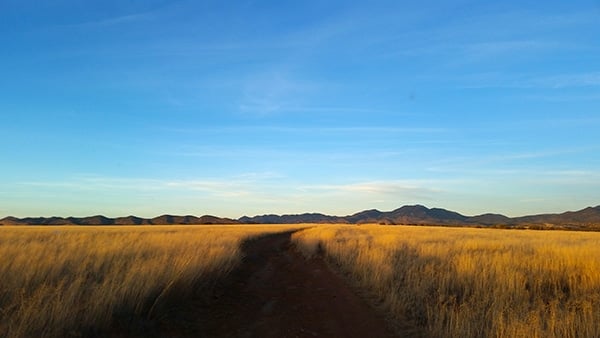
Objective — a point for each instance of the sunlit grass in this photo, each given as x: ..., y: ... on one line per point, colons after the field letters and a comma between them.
x: 60, y: 281
x: 458, y: 282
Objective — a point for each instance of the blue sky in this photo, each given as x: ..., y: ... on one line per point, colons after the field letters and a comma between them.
x: 202, y: 107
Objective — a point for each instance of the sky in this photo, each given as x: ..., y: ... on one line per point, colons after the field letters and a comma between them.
x: 255, y: 107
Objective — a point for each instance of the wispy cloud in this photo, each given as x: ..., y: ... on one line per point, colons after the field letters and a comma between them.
x: 309, y: 129
x: 487, y: 49
x: 561, y: 97
x: 577, y: 18
x: 532, y: 164
x: 115, y: 20
x: 97, y: 183
x: 335, y: 110
x: 529, y: 81
x: 408, y: 189
x: 270, y: 93
x: 573, y: 177
x: 92, y: 194
x: 591, y: 79
x: 229, y: 184
x: 525, y: 155
x: 248, y: 185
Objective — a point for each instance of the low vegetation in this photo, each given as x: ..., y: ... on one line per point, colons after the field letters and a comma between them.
x: 73, y: 281
x: 450, y: 282
x: 458, y: 282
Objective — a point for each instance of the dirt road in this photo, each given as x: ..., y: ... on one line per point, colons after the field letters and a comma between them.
x: 276, y: 292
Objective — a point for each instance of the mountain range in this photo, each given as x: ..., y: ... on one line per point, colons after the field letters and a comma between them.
x: 129, y: 220
x: 421, y: 215
x: 585, y: 219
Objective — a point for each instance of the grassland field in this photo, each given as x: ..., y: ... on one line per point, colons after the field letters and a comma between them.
x: 58, y: 281
x: 465, y: 282
x: 451, y: 282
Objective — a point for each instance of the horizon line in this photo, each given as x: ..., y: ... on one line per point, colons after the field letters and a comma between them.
x: 293, y: 214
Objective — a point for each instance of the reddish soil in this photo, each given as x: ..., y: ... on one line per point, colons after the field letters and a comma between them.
x: 276, y: 292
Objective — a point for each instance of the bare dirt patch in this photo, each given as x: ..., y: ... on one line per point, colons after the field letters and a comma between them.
x: 276, y: 292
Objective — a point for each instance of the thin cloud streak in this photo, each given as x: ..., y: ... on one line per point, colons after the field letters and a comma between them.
x: 392, y: 188
x: 309, y: 129
x: 590, y: 79
x: 487, y: 49
x: 528, y: 81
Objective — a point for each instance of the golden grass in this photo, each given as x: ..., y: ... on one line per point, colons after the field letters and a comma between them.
x: 464, y: 282
x: 60, y: 281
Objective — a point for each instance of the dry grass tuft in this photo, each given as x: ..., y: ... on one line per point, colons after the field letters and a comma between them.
x: 458, y: 282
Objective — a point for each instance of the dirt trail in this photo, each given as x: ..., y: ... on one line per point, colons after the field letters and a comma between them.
x: 276, y: 292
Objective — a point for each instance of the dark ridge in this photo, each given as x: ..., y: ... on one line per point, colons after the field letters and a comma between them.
x: 585, y: 219
x: 418, y: 214
x: 94, y: 220
x: 367, y: 216
x: 292, y: 219
x: 587, y: 216
x: 490, y: 219
x: 209, y: 219
x: 10, y: 221
x: 129, y: 220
